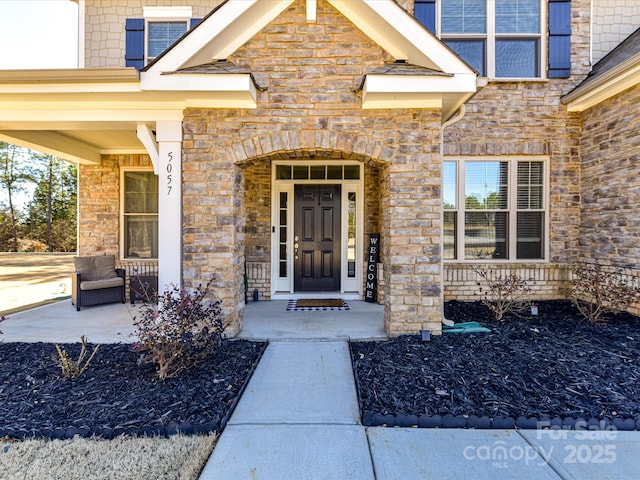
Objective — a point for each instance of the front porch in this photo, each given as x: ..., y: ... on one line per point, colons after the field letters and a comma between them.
x: 61, y: 323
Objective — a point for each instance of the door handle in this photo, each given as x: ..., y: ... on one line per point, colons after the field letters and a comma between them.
x: 296, y: 246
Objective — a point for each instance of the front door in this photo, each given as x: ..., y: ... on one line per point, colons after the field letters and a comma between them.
x: 316, y: 238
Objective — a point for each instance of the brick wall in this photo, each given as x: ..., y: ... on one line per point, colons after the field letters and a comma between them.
x: 104, y: 26
x: 547, y: 282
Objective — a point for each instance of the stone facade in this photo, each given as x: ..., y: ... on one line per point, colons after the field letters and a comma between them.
x: 310, y: 111
x: 610, y: 175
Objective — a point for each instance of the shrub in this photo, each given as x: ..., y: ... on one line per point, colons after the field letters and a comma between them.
x: 2, y: 319
x: 179, y: 331
x: 503, y: 294
x: 74, y: 368
x: 597, y: 292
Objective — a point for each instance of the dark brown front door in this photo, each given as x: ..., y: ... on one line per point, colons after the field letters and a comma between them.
x: 317, y: 238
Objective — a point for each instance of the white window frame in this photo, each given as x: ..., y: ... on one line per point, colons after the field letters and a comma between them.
x: 122, y: 213
x: 512, y: 209
x: 283, y: 287
x: 163, y: 14
x: 490, y: 40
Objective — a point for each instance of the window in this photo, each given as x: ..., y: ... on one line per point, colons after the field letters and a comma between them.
x: 140, y: 214
x: 161, y: 35
x: 494, y: 209
x: 147, y: 38
x: 498, y: 38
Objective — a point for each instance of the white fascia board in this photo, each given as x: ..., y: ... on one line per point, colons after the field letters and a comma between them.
x: 221, y: 34
x: 62, y: 113
x: 388, y: 100
x: 609, y: 85
x: 198, y: 82
x: 72, y: 88
x: 419, y: 84
x: 53, y: 143
x: 401, y: 35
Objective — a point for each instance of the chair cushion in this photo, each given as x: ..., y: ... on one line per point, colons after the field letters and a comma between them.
x: 104, y: 283
x: 105, y: 267
x: 96, y: 268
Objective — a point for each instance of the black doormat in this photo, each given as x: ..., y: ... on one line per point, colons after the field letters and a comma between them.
x: 317, y: 304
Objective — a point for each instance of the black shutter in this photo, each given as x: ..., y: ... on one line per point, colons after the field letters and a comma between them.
x: 134, y: 54
x: 425, y: 13
x: 559, y: 38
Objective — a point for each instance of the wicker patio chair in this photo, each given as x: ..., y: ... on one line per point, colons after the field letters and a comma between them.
x: 97, y: 281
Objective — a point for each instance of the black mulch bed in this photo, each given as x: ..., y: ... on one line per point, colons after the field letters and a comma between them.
x: 116, y: 396
x: 557, y: 368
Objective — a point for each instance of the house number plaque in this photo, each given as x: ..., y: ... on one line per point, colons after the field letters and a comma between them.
x: 169, y: 170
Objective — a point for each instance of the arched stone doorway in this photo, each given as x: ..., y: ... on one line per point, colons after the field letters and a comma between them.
x: 292, y: 198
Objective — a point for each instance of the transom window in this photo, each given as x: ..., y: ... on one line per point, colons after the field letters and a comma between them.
x: 494, y: 209
x: 498, y: 38
x: 317, y: 172
x: 140, y: 214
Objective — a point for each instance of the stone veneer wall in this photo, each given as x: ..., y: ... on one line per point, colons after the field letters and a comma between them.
x: 610, y: 208
x: 104, y: 42
x: 527, y: 118
x: 257, y: 177
x: 99, y: 214
x: 310, y: 110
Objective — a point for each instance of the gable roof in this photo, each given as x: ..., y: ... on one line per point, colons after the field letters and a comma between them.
x: 235, y: 22
x: 614, y: 73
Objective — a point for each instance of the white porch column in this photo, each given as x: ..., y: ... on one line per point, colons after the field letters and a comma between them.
x: 169, y: 138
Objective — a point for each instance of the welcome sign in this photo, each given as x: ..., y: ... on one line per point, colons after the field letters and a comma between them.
x: 370, y: 294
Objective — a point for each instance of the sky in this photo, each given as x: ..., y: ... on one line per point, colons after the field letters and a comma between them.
x: 38, y: 34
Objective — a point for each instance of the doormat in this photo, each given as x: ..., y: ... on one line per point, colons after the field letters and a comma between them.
x: 316, y: 304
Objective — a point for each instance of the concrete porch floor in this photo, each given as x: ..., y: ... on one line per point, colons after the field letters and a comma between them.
x: 270, y: 320
x: 267, y: 320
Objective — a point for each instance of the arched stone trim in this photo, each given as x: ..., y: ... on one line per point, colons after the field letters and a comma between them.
x: 318, y: 144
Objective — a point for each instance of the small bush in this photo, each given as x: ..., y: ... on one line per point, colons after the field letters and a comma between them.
x: 180, y: 331
x: 74, y: 368
x: 596, y: 292
x: 503, y: 294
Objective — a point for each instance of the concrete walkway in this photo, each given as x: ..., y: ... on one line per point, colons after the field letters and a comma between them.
x: 298, y: 418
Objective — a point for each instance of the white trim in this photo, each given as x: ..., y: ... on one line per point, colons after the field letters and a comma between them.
x: 511, y: 209
x: 81, y: 33
x: 312, y: 6
x: 148, y: 139
x: 166, y: 12
x: 490, y: 40
x: 121, y: 212
x: 613, y: 82
x: 221, y: 34
x: 283, y: 288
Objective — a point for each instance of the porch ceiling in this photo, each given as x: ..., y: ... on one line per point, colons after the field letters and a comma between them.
x: 82, y: 114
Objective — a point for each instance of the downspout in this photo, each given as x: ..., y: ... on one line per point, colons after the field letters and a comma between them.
x: 453, y: 119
